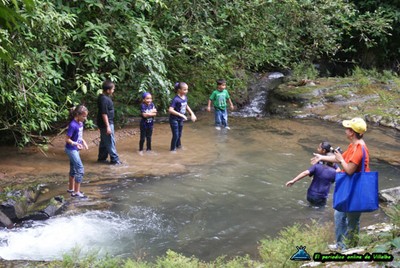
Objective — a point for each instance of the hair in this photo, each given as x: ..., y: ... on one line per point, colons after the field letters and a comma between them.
x: 179, y: 85
x: 77, y: 110
x: 144, y: 95
x: 326, y: 146
x: 358, y: 135
x: 221, y: 81
x: 108, y: 85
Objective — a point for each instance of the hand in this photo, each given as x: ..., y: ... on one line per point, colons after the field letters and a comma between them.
x: 208, y: 109
x: 108, y: 130
x: 79, y: 146
x: 338, y: 156
x: 289, y: 183
x: 232, y: 107
x: 315, y: 159
x: 193, y: 118
x: 184, y: 117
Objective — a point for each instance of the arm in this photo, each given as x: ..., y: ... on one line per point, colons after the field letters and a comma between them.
x: 209, y: 105
x: 105, y: 120
x: 192, y: 115
x: 349, y: 168
x: 326, y: 158
x: 73, y: 143
x: 230, y: 103
x: 298, y: 177
x: 150, y: 114
x: 172, y: 111
x: 85, y: 145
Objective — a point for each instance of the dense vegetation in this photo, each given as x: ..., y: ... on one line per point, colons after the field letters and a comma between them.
x: 55, y: 54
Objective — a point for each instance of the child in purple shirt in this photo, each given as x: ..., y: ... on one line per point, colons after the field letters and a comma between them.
x: 323, y: 177
x: 148, y: 111
x: 177, y: 111
x: 74, y: 142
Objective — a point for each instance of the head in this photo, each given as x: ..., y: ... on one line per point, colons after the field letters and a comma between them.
x: 324, y: 147
x: 108, y: 87
x: 355, y: 127
x: 79, y: 113
x: 147, y: 98
x: 181, y: 88
x: 221, y: 84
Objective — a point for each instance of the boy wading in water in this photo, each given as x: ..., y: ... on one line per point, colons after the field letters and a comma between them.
x: 218, y: 98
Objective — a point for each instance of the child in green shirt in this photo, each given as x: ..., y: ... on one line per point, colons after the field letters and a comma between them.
x: 219, y: 98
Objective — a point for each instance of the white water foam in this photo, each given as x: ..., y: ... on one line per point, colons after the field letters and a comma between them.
x: 49, y: 240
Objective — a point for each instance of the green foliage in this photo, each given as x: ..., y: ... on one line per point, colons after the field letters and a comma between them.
x: 304, y: 70
x: 277, y: 252
x: 30, y: 87
x: 57, y: 53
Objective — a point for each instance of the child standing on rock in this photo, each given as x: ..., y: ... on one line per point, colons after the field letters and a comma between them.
x: 74, y: 142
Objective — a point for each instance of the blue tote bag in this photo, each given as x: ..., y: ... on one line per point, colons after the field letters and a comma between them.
x: 357, y: 192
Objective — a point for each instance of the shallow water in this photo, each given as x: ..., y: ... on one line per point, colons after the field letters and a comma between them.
x: 222, y: 194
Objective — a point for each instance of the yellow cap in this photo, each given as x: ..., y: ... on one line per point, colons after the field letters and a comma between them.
x: 357, y: 124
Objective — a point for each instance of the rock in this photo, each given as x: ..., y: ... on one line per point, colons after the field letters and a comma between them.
x: 5, y: 221
x: 391, y: 195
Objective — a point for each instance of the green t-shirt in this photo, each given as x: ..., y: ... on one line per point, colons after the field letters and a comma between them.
x: 219, y: 99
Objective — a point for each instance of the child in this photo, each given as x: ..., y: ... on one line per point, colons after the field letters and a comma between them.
x: 73, y: 143
x: 105, y: 122
x: 219, y: 98
x: 324, y: 176
x: 177, y: 115
x: 148, y: 111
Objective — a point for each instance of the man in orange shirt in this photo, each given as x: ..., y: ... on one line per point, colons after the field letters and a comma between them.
x: 347, y: 225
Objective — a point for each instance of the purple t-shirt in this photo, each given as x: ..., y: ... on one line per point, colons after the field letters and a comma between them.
x: 179, y: 105
x: 144, y: 108
x: 75, y: 132
x: 324, y: 176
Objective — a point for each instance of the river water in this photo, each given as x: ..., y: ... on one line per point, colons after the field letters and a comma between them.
x: 224, y: 192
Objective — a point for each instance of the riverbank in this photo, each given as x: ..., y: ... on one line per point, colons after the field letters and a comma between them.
x: 335, y: 99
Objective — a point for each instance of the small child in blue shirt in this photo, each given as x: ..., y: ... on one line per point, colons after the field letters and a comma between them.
x: 148, y: 111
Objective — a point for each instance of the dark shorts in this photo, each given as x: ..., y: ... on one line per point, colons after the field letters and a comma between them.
x: 316, y: 201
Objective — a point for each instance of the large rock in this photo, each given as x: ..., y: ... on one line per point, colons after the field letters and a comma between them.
x: 21, y: 205
x: 391, y: 195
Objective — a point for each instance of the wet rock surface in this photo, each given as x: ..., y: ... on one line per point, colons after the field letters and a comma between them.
x: 335, y: 99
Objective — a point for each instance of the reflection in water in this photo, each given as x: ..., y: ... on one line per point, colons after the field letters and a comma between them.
x: 222, y: 206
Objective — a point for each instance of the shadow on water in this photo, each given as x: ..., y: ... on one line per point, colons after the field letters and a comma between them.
x: 222, y: 205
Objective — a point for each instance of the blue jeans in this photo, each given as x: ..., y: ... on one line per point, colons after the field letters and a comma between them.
x: 176, y: 128
x: 221, y: 117
x: 76, y: 169
x: 347, y: 227
x: 107, y: 145
x: 146, y: 132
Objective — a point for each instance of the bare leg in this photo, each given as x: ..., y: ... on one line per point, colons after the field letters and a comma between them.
x: 71, y: 185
